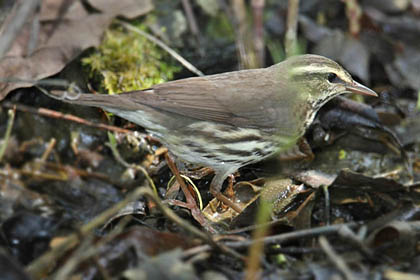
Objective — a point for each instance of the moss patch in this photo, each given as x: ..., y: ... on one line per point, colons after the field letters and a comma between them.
x: 126, y: 61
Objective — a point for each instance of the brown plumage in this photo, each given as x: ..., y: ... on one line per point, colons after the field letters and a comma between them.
x: 229, y: 120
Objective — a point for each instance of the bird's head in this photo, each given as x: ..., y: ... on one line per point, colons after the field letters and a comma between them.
x: 319, y: 79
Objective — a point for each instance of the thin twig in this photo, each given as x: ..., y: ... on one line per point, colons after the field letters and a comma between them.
x: 253, y: 227
x: 48, y: 150
x: 327, y: 208
x: 336, y: 259
x: 190, y: 228
x: 65, y: 271
x: 90, y: 248
x: 192, y: 22
x: 59, y: 115
x: 354, y: 15
x: 23, y: 12
x: 39, y: 266
x: 112, y: 145
x: 191, y: 202
x: 161, y: 44
x: 356, y: 240
x: 246, y: 52
x: 188, y: 179
x: 284, y: 237
x: 290, y: 40
x: 44, y: 82
x: 257, y: 9
x: 12, y: 113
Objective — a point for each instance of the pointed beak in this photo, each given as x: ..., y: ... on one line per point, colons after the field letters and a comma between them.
x: 360, y: 89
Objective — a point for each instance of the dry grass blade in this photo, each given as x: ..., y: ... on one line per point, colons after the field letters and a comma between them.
x: 12, y: 113
x: 335, y: 258
x: 161, y: 44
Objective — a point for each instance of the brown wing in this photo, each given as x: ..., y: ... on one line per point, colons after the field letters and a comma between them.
x: 248, y: 98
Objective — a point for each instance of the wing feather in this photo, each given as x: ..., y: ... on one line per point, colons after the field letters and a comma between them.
x: 242, y: 98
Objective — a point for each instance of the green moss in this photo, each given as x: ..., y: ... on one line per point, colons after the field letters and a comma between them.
x: 127, y: 61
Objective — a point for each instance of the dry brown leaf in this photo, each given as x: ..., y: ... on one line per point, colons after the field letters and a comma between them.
x: 66, y: 30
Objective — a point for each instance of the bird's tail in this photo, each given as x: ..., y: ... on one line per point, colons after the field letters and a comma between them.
x: 93, y: 100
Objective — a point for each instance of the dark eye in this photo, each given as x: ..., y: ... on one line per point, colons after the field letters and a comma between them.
x: 331, y: 77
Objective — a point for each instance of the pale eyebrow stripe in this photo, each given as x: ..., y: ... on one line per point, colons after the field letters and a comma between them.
x: 319, y: 69
x: 311, y: 68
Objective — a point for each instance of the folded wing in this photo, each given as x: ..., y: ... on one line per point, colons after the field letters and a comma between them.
x: 249, y: 98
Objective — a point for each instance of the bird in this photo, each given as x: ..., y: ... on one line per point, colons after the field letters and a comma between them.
x: 229, y: 120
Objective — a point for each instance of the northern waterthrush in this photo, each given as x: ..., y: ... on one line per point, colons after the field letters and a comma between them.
x: 229, y: 120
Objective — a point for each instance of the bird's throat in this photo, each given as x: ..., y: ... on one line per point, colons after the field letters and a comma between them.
x: 314, y: 107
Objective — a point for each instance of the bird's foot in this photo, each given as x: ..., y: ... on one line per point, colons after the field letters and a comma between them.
x: 229, y: 193
x: 306, y: 149
x: 215, y: 188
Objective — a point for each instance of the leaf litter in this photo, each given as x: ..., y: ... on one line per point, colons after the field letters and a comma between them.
x: 358, y: 192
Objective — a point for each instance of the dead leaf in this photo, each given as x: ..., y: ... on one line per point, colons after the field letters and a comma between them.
x: 349, y: 179
x: 396, y: 239
x: 62, y: 38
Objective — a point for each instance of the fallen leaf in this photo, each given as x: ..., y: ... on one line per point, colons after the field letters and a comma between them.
x: 62, y: 38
